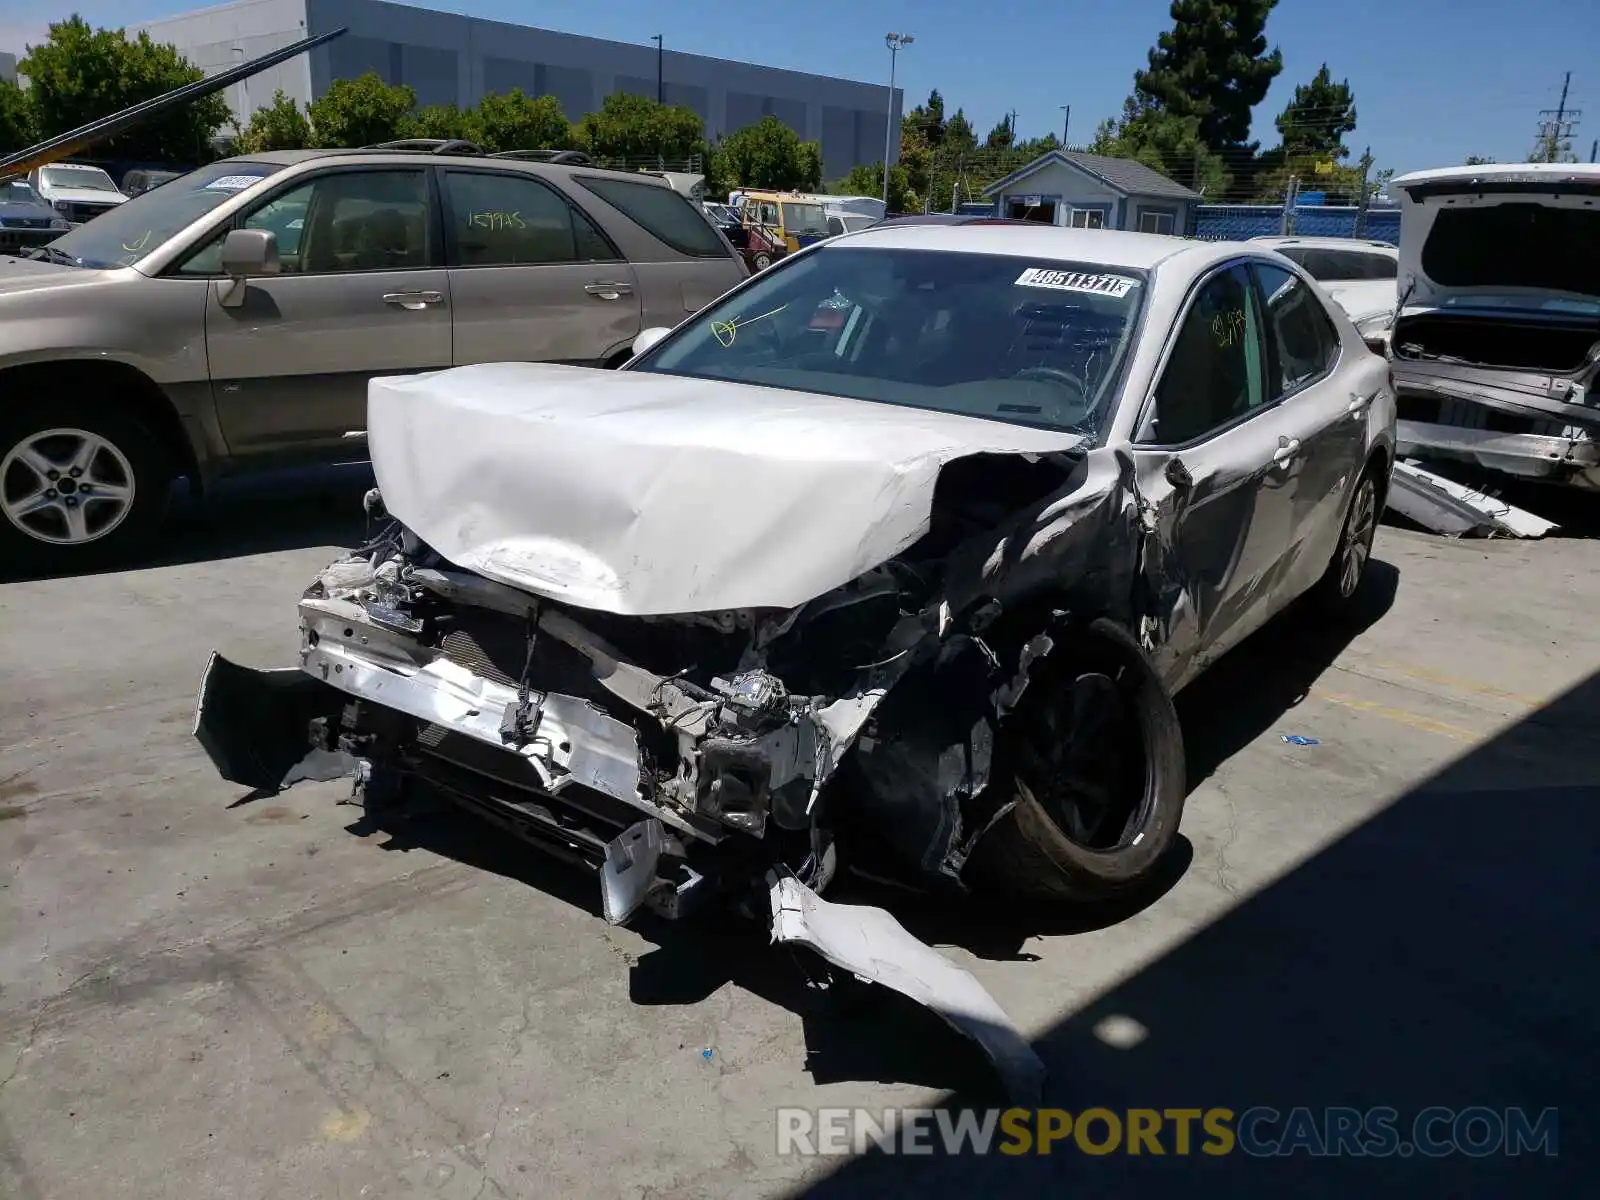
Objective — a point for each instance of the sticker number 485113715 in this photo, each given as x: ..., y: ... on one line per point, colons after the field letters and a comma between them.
x: 1115, y: 286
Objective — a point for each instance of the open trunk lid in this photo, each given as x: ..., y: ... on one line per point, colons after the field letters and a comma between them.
x: 1520, y: 236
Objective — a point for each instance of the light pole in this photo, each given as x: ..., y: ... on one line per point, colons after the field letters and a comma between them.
x: 1066, y: 123
x: 896, y: 42
x: 661, y: 87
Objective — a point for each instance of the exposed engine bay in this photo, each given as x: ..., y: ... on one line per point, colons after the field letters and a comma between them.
x: 1519, y: 396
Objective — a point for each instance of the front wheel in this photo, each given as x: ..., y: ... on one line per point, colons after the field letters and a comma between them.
x: 761, y: 261
x: 80, y: 485
x: 1093, y: 759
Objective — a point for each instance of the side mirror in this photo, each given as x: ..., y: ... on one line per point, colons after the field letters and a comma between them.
x: 246, y: 254
x: 648, y: 338
x: 250, y: 252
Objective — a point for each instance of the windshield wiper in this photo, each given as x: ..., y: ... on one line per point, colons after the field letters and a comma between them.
x: 51, y: 254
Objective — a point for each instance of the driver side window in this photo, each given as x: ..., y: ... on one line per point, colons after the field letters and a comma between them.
x: 364, y: 221
x: 1214, y: 374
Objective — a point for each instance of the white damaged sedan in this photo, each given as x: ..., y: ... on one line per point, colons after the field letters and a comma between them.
x: 891, y: 559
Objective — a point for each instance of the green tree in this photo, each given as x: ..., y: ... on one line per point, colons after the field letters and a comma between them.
x: 16, y: 118
x: 868, y: 181
x: 1167, y: 143
x: 361, y: 112
x: 768, y: 155
x: 1315, y: 121
x: 281, y: 125
x: 1477, y: 160
x: 927, y: 119
x: 636, y: 127
x: 516, y: 121
x: 79, y: 75
x: 1002, y: 135
x: 959, y: 136
x: 1212, y: 65
x: 441, y: 121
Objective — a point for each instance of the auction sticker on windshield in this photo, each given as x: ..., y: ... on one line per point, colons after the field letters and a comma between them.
x: 233, y: 183
x: 1076, y: 281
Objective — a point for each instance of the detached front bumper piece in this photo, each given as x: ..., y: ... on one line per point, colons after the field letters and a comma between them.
x: 872, y: 945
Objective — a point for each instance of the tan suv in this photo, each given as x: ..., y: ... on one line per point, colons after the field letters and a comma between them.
x: 232, y: 317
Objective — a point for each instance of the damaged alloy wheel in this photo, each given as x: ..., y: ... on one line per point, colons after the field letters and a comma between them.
x: 1092, y: 760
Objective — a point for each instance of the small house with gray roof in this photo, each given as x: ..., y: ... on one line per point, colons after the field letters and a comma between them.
x: 1091, y: 191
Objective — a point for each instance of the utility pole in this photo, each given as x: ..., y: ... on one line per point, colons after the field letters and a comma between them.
x: 661, y: 79
x: 1361, y: 204
x: 1556, y: 125
x: 1594, y: 150
x: 896, y: 43
x: 1066, y: 123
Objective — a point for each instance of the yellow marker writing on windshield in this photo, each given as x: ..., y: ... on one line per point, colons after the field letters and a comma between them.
x: 726, y: 331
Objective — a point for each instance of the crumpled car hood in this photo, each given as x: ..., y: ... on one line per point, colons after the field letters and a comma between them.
x: 644, y: 494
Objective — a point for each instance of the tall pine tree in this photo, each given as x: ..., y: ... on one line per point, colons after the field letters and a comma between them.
x: 1213, y: 65
x: 1316, y: 120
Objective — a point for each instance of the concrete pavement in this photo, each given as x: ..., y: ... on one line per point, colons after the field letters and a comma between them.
x: 202, y: 997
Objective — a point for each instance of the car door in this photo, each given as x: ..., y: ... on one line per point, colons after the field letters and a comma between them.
x: 361, y: 292
x: 532, y: 278
x: 1209, y: 465
x: 1321, y: 415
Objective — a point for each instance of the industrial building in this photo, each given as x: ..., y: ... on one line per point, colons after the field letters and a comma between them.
x: 452, y: 59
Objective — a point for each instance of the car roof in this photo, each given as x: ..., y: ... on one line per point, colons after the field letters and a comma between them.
x: 1113, y: 248
x: 291, y: 158
x: 1326, y: 243
x: 1534, y: 171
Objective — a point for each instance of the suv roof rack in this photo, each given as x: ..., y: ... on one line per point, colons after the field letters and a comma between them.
x: 430, y: 146
x: 571, y: 158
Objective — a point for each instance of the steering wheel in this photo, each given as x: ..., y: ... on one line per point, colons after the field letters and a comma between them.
x: 1077, y: 407
x: 1055, y: 375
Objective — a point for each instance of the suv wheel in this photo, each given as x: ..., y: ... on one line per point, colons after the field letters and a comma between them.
x: 79, y: 485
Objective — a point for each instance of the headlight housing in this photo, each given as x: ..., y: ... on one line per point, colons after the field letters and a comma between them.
x: 60, y: 223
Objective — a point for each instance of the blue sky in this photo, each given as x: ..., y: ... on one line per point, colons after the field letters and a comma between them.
x: 1435, y: 80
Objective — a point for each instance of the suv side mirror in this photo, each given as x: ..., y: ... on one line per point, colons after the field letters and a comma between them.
x: 247, y: 254
x: 648, y: 338
x: 250, y: 252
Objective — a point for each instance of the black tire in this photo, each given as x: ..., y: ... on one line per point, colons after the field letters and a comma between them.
x: 761, y: 262
x: 132, y: 455
x: 1335, y: 593
x: 1029, y: 852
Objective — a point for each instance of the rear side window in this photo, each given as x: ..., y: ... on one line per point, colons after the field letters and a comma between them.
x: 1304, y: 339
x: 513, y: 220
x: 662, y: 213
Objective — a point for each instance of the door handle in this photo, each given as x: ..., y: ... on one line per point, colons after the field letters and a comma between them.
x: 1359, y: 403
x: 609, y: 291
x: 414, y: 301
x: 1287, y: 448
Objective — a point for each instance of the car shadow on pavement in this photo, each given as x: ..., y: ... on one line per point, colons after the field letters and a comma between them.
x: 292, y: 509
x: 1248, y: 690
x: 1441, y: 954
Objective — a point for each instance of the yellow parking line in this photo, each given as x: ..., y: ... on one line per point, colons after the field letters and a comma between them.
x: 1465, y: 685
x: 1401, y: 716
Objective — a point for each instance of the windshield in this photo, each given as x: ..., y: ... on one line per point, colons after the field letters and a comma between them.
x: 804, y: 218
x: 125, y: 234
x: 18, y: 192
x: 1343, y: 266
x: 88, y: 179
x: 1007, y: 339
